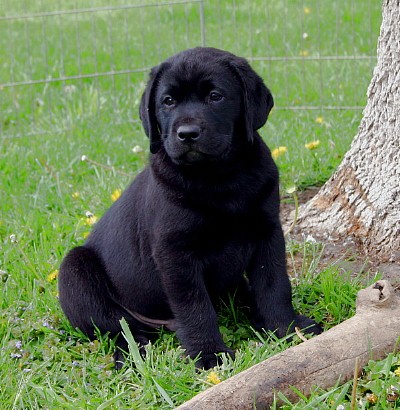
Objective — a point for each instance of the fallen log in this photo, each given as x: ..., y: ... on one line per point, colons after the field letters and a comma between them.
x: 371, y: 333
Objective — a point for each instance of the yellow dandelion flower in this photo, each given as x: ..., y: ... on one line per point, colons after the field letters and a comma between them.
x: 307, y: 10
x: 319, y: 120
x: 312, y: 145
x: 372, y: 398
x: 277, y: 152
x: 213, y: 378
x: 304, y: 53
x: 116, y: 194
x: 52, y: 276
x: 75, y: 195
x: 90, y: 218
x: 397, y: 372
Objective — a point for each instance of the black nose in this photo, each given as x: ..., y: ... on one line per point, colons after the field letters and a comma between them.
x: 188, y: 133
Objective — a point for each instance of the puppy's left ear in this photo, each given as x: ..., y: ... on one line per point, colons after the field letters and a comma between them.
x: 257, y: 98
x: 147, y: 110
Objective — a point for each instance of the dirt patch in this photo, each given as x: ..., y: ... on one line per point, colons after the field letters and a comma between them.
x: 346, y: 253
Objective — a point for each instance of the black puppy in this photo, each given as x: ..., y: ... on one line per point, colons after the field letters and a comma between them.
x: 200, y: 221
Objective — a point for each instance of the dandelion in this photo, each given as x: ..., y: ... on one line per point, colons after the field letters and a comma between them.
x: 213, y: 378
x: 319, y: 120
x: 116, y: 194
x: 75, y: 195
x: 90, y: 218
x: 52, y: 276
x: 277, y: 152
x: 304, y: 53
x: 312, y: 145
x: 307, y: 10
x: 372, y: 398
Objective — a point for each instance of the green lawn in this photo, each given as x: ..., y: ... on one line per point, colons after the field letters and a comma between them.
x: 46, y: 189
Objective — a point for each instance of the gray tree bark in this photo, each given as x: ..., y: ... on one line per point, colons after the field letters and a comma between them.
x: 362, y: 198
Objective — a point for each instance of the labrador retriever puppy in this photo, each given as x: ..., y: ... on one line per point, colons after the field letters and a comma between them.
x: 200, y: 221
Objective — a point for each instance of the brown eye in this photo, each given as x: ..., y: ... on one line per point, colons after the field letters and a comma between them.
x: 168, y: 101
x: 215, y: 97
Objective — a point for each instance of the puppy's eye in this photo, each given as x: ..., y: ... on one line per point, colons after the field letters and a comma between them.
x: 168, y: 101
x: 215, y: 97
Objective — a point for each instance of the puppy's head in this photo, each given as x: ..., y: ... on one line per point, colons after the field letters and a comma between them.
x: 197, y: 101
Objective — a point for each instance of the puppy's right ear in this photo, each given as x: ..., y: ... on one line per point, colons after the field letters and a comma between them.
x: 147, y: 110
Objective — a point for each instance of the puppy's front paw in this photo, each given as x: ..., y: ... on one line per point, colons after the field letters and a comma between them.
x: 209, y: 359
x: 307, y: 325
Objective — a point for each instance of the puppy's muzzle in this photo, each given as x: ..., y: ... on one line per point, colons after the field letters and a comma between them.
x: 188, y: 133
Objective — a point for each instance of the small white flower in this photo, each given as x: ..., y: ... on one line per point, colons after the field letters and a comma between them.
x: 39, y: 102
x: 305, y: 36
x: 310, y: 239
x: 13, y: 238
x: 136, y: 149
x: 84, y: 158
x: 69, y: 89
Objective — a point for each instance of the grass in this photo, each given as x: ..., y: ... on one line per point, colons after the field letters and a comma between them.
x: 46, y: 189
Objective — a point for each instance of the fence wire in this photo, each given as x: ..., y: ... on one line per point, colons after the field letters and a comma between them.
x: 58, y: 59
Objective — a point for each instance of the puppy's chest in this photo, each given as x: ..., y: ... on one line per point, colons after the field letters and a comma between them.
x: 220, y: 233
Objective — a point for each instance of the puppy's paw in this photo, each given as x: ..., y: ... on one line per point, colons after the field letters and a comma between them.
x: 307, y: 325
x: 208, y: 360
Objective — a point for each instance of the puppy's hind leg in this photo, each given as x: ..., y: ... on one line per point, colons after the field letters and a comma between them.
x: 85, y: 295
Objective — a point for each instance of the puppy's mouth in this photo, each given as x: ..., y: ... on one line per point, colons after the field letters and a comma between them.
x: 195, y: 153
x: 193, y: 156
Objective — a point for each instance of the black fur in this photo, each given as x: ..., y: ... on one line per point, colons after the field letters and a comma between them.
x: 203, y: 213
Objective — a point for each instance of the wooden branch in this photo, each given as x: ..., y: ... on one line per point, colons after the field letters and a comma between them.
x: 321, y: 361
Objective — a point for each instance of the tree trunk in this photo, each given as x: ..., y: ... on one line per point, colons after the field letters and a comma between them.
x: 362, y: 198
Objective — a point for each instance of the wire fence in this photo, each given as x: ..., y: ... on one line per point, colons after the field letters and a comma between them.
x: 60, y: 60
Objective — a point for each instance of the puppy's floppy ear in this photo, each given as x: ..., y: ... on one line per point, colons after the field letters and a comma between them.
x: 257, y: 98
x: 147, y: 110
